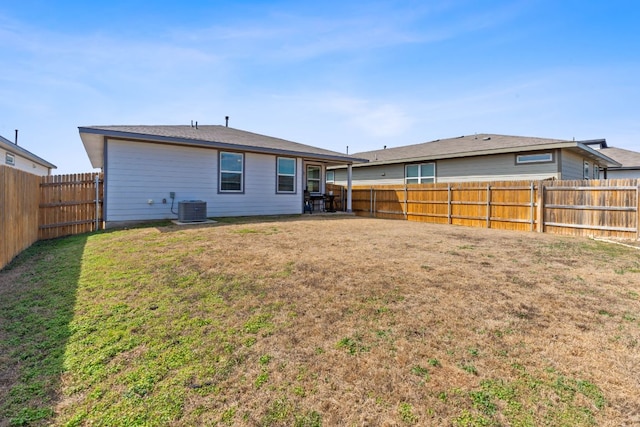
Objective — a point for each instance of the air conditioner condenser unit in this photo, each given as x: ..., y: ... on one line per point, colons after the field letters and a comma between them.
x: 192, y: 211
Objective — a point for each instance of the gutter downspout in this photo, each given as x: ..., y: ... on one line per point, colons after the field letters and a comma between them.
x: 97, y: 184
x: 349, y: 179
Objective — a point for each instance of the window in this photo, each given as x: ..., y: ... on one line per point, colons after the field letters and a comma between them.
x: 534, y: 158
x: 331, y: 176
x: 596, y: 172
x: 231, y: 172
x: 420, y: 174
x: 585, y: 175
x: 286, y: 175
x: 313, y: 179
x: 10, y: 159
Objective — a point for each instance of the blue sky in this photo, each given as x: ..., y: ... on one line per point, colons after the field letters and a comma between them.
x: 330, y: 74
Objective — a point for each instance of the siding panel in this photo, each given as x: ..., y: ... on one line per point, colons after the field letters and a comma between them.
x: 373, y: 175
x: 467, y: 169
x: 501, y: 167
x: 140, y: 172
x: 622, y: 174
x: 572, y: 166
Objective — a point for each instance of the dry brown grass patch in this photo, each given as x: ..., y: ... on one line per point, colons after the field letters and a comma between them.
x: 376, y: 322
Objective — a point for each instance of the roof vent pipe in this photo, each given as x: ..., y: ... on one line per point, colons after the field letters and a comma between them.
x: 16, y: 140
x: 226, y: 121
x: 191, y: 123
x: 196, y: 124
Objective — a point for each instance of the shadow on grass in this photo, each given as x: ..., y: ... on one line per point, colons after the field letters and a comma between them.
x: 37, y: 299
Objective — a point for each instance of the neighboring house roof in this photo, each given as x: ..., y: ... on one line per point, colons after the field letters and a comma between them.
x: 213, y: 136
x: 16, y: 149
x: 628, y: 159
x: 475, y: 145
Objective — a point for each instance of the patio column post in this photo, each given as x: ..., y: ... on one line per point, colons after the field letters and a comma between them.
x: 349, y: 172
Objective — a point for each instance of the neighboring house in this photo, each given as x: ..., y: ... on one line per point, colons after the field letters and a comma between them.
x: 629, y: 161
x: 13, y: 155
x: 235, y: 172
x: 482, y: 157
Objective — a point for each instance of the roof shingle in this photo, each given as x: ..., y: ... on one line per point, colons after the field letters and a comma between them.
x: 460, y: 145
x: 627, y: 158
x: 215, y: 135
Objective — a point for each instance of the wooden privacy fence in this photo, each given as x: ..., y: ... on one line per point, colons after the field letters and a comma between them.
x: 70, y: 204
x: 34, y: 208
x: 340, y: 196
x: 605, y: 208
x: 18, y: 212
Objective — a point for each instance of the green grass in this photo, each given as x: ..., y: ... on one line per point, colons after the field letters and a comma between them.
x: 132, y: 341
x: 353, y: 345
x: 36, y: 328
x: 564, y: 401
x: 406, y: 413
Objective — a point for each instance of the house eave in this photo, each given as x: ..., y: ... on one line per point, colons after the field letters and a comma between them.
x: 594, y: 154
x: 591, y: 153
x: 94, y: 146
x: 625, y: 168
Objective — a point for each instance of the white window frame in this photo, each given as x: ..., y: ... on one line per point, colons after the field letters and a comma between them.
x: 281, y: 174
x: 224, y: 171
x: 596, y: 172
x: 420, y: 178
x: 10, y: 159
x: 333, y: 177
x: 319, y: 179
x: 523, y: 159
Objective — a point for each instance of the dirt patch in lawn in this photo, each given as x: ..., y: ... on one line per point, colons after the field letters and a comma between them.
x: 353, y: 321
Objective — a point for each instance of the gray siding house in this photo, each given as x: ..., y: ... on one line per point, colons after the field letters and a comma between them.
x: 235, y: 172
x: 13, y: 155
x: 482, y: 157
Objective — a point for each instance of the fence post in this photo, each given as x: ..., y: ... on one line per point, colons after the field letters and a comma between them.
x: 374, y: 203
x: 406, y: 202
x: 533, y: 204
x: 488, y: 205
x: 371, y: 202
x: 449, y: 203
x: 638, y: 209
x: 540, y: 203
x: 97, y: 183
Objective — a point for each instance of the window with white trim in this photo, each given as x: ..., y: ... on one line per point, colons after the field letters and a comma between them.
x: 10, y: 159
x: 596, y: 172
x: 313, y: 179
x: 420, y: 174
x: 331, y: 177
x: 286, y: 175
x: 534, y: 158
x: 231, y: 172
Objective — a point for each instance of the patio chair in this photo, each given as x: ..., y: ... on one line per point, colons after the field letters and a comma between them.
x: 308, y: 204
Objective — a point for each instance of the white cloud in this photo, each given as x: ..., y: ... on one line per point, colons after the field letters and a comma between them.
x: 302, y: 34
